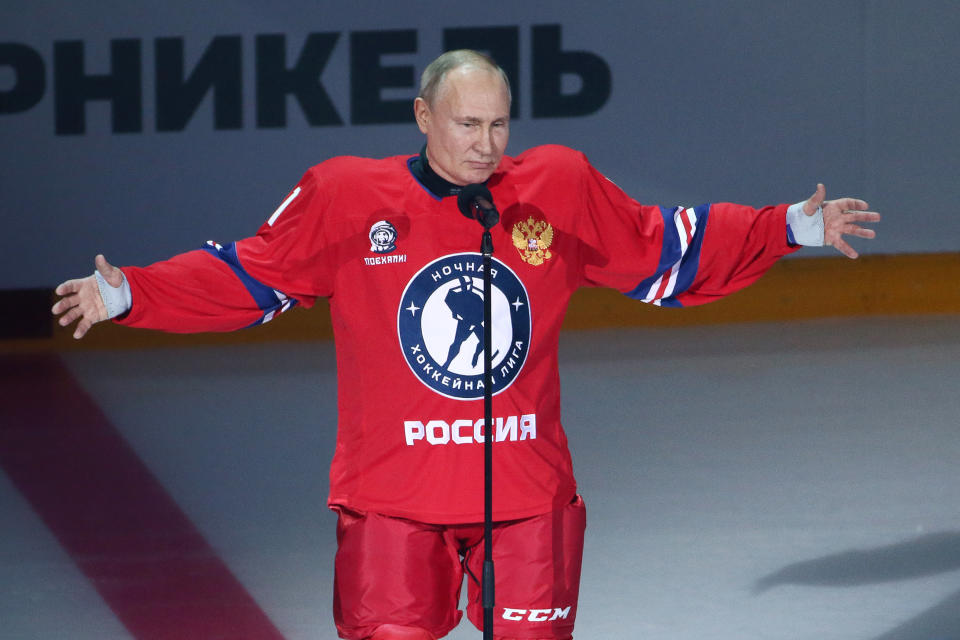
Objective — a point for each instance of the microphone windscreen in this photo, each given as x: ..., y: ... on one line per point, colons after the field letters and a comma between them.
x: 470, y: 195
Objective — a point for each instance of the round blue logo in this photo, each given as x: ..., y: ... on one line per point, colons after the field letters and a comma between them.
x: 440, y: 324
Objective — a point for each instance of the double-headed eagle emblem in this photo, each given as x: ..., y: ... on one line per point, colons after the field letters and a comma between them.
x: 532, y: 239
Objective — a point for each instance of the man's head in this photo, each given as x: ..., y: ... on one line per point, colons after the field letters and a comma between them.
x: 464, y: 110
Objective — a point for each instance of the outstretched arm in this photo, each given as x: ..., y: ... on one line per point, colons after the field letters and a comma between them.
x: 93, y: 299
x: 740, y: 245
x: 214, y: 288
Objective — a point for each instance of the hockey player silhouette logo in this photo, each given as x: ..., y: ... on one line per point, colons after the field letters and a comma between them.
x: 466, y: 305
x: 441, y: 329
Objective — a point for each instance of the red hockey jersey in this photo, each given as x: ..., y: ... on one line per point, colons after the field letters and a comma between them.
x: 403, y: 274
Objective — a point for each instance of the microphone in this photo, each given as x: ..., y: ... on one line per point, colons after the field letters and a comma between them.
x: 476, y: 203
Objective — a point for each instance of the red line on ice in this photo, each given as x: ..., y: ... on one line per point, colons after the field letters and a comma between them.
x: 143, y: 555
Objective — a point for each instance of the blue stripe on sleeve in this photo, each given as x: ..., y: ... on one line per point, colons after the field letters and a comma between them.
x: 670, y: 254
x: 270, y: 301
x: 691, y: 260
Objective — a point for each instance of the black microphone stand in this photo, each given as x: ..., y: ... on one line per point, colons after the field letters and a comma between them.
x: 476, y: 203
x: 486, y: 248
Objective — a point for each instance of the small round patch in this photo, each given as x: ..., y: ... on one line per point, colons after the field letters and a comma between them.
x: 383, y: 237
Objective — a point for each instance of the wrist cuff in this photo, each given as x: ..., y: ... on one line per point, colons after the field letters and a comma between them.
x: 803, y: 229
x: 118, y: 300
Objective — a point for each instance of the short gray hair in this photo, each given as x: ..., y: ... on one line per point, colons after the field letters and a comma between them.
x: 433, y: 76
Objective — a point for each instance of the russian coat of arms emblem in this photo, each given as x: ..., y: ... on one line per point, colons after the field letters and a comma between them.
x: 533, y: 238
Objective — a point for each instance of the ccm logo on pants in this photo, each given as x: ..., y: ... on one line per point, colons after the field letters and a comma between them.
x: 535, y: 615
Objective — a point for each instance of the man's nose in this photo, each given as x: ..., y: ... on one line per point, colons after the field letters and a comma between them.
x: 484, y: 143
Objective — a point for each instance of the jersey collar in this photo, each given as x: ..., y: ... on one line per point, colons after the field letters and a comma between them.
x: 428, y: 178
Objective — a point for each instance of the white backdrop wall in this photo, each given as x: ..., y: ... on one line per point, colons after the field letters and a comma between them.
x: 746, y: 101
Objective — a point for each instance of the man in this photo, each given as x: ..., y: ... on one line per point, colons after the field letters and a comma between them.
x: 384, y: 240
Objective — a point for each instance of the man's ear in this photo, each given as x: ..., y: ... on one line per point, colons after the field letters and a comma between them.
x: 421, y: 111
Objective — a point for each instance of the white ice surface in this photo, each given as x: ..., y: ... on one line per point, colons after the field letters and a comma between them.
x: 709, y: 458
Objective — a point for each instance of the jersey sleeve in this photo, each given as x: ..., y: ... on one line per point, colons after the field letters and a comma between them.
x: 241, y: 284
x: 675, y: 256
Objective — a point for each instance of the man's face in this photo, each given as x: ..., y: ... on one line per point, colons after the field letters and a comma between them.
x: 468, y: 125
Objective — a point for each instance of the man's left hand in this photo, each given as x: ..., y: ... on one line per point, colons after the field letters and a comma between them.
x: 840, y: 218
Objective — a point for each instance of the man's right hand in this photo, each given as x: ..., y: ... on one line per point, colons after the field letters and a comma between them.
x: 80, y: 299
